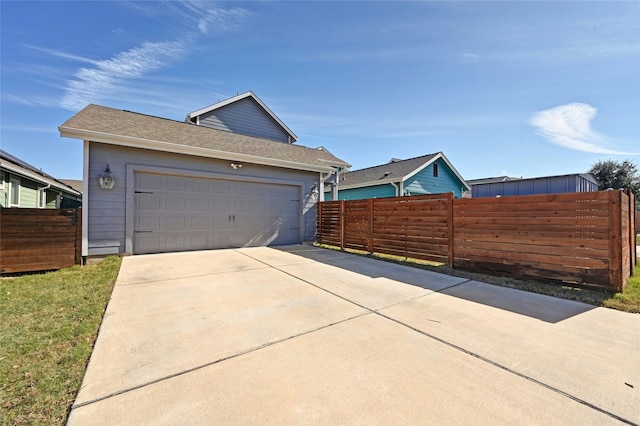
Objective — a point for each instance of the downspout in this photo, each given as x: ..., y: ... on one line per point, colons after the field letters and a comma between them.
x: 396, y: 187
x: 44, y: 188
x: 321, y: 186
x: 334, y: 190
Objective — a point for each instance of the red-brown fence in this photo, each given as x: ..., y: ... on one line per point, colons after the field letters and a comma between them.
x: 39, y: 239
x: 586, y: 238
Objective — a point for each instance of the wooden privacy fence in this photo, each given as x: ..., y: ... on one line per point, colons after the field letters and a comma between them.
x: 586, y: 238
x: 39, y: 239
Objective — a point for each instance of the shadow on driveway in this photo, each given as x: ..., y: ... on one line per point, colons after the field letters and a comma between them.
x: 544, y: 308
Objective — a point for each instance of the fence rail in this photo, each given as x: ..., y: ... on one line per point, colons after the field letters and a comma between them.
x: 39, y: 239
x: 586, y: 238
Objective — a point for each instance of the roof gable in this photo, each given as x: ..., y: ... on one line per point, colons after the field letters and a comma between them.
x: 394, y: 171
x: 244, y: 114
x: 112, y: 126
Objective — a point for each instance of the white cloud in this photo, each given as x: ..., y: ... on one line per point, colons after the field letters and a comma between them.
x: 91, y: 84
x: 104, y: 77
x: 570, y: 126
x: 221, y: 19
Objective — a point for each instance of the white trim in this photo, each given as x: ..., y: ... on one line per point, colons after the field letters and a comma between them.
x: 17, y: 170
x: 132, y: 169
x: 85, y: 199
x: 188, y: 150
x: 433, y: 160
x: 41, y: 196
x: 12, y: 180
x: 236, y: 98
x: 366, y: 184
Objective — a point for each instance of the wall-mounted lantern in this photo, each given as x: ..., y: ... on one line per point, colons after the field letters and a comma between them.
x: 106, y: 179
x: 314, y: 192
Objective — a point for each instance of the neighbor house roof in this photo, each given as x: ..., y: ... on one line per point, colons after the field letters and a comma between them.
x: 192, y: 117
x: 394, y: 171
x: 118, y: 127
x: 491, y: 180
x: 74, y: 183
x: 19, y: 167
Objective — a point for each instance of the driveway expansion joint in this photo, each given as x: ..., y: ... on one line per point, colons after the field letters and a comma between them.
x: 218, y: 361
x: 454, y: 346
x: 127, y: 284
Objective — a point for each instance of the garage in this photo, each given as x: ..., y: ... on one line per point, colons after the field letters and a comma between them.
x: 179, y: 186
x: 179, y: 213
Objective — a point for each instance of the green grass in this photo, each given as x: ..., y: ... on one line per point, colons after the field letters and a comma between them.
x: 628, y: 301
x: 48, y: 325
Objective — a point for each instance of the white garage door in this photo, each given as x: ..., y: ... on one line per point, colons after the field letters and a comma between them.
x: 174, y: 213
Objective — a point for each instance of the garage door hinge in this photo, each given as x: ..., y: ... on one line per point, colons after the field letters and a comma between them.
x: 143, y: 192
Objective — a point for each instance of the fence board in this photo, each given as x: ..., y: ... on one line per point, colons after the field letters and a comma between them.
x: 39, y: 239
x: 586, y: 238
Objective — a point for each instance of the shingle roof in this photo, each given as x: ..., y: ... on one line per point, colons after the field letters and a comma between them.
x: 394, y: 170
x: 19, y: 166
x: 103, y: 124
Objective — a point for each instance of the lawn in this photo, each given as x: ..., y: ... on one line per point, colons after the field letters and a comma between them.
x: 49, y: 323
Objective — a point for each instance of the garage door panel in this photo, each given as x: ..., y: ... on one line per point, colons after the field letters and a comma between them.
x: 145, y: 182
x: 211, y: 213
x: 200, y: 185
x: 220, y: 187
x: 175, y: 203
x: 200, y: 204
x: 149, y: 201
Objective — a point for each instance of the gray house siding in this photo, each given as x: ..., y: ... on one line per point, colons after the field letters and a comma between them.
x: 245, y: 117
x: 109, y: 214
x: 543, y: 185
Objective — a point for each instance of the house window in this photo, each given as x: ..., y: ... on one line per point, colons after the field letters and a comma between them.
x: 2, y: 178
x: 435, y: 170
x: 14, y: 192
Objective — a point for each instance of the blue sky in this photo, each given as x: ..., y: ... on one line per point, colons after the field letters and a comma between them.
x: 518, y: 88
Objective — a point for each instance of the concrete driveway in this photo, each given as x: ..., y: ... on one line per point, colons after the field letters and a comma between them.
x: 302, y: 335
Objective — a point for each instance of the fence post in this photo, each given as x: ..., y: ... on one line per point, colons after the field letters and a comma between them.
x: 450, y: 253
x: 78, y: 243
x: 319, y: 219
x: 632, y: 230
x: 615, y: 243
x: 342, y: 223
x: 370, y: 218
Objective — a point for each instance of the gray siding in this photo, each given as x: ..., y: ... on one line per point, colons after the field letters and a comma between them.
x: 245, y: 117
x: 546, y: 185
x: 107, y: 209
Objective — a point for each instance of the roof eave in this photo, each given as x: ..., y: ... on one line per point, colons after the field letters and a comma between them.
x: 367, y: 184
x: 39, y: 178
x: 189, y: 150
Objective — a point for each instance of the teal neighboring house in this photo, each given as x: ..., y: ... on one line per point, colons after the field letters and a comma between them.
x: 24, y: 186
x: 428, y: 174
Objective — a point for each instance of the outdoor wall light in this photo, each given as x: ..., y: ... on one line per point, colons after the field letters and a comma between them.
x: 314, y: 192
x: 235, y: 165
x: 106, y: 179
